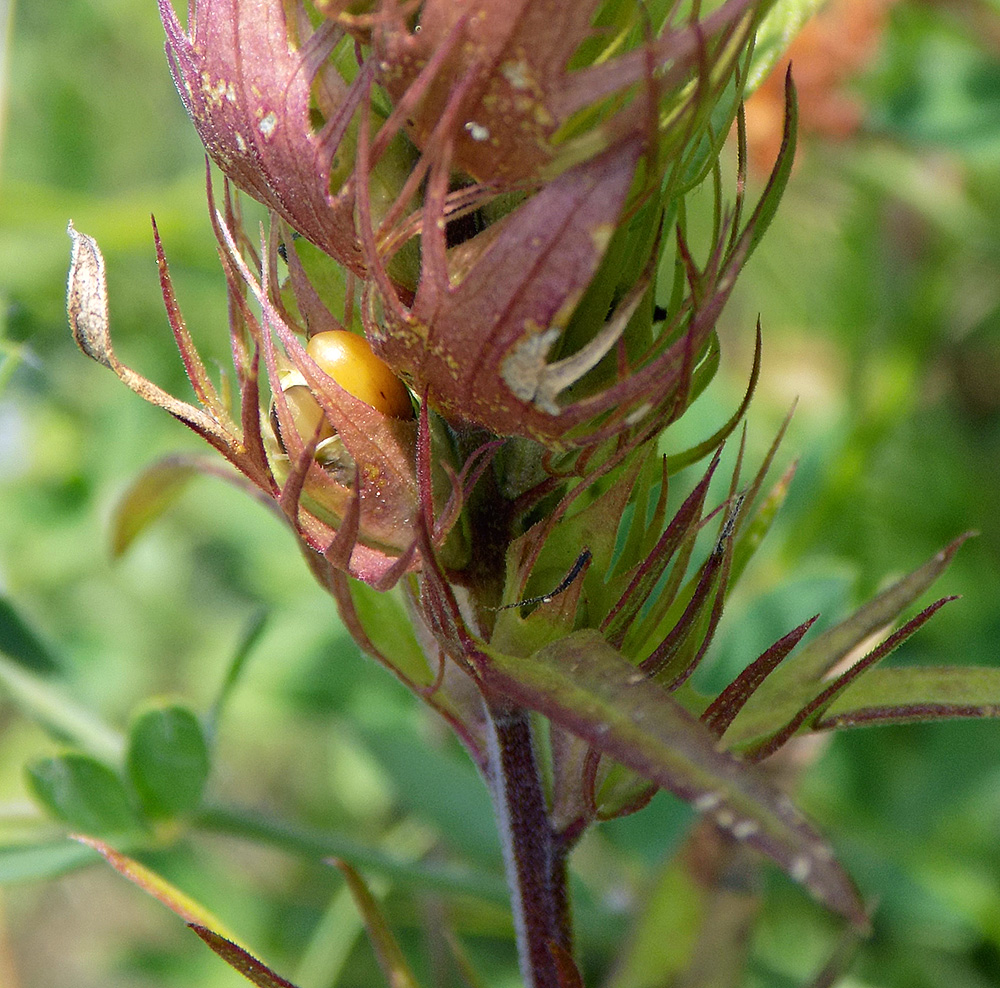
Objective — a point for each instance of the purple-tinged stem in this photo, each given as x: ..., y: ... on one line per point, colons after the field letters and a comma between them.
x: 535, y: 866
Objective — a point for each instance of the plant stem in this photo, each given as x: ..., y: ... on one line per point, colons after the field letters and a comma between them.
x: 535, y: 867
x: 247, y: 824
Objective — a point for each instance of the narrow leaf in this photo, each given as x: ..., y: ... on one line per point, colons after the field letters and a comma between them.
x: 647, y: 576
x: 390, y: 957
x: 751, y: 537
x: 897, y: 696
x: 149, y: 496
x: 825, y: 693
x: 240, y: 960
x: 816, y: 659
x: 31, y: 862
x: 724, y: 708
x: 678, y: 461
x: 587, y: 687
x: 192, y: 912
x: 20, y: 642
x: 773, y: 191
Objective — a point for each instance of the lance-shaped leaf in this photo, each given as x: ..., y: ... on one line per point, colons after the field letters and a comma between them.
x: 898, y: 696
x: 813, y: 704
x: 797, y: 681
x: 197, y: 917
x: 248, y: 92
x: 240, y: 959
x: 390, y: 957
x: 158, y: 887
x: 584, y: 685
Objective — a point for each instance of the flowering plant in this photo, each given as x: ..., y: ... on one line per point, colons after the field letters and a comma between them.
x: 476, y: 312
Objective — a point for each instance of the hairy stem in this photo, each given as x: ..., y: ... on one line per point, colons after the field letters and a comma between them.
x: 535, y: 866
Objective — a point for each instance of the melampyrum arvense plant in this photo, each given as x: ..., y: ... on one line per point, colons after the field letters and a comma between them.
x: 476, y: 311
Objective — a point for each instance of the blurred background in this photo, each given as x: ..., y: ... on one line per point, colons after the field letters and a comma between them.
x: 878, y: 287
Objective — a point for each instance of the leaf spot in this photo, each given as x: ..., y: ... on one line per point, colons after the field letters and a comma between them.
x: 707, y: 801
x: 523, y: 369
x: 268, y: 125
x: 800, y: 869
x: 477, y: 131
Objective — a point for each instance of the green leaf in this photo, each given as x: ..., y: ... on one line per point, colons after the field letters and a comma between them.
x: 588, y: 688
x: 799, y: 681
x: 678, y: 461
x: 251, y: 636
x: 776, y: 32
x: 775, y: 188
x: 31, y: 862
x: 390, y: 630
x: 151, y: 494
x: 62, y: 717
x: 825, y: 692
x: 812, y: 662
x: 749, y: 540
x: 20, y: 642
x: 390, y: 957
x: 167, y: 759
x: 896, y: 696
x: 83, y: 793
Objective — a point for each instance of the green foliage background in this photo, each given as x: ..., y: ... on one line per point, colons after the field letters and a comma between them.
x: 879, y: 290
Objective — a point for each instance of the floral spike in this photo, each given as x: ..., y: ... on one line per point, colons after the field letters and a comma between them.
x: 494, y: 196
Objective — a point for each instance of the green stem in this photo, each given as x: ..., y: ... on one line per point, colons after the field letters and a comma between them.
x: 306, y: 842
